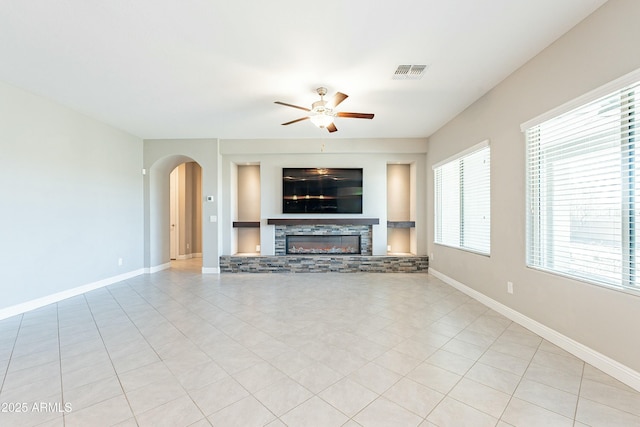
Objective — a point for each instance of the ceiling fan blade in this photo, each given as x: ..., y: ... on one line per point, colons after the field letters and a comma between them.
x: 332, y: 127
x: 296, y: 120
x: 355, y: 115
x: 291, y: 105
x: 337, y: 99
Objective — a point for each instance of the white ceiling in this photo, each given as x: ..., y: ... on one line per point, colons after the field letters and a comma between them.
x: 213, y: 69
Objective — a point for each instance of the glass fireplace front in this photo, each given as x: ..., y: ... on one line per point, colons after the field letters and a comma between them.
x: 323, y: 244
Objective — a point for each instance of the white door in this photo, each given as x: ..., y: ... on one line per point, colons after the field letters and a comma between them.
x: 173, y: 214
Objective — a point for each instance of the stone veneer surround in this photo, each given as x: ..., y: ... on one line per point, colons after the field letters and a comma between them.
x: 282, y: 263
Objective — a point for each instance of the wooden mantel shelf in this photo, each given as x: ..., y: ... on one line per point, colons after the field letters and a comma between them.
x: 321, y: 221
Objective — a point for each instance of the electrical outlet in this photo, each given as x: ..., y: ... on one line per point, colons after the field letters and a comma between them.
x: 431, y: 256
x: 509, y: 287
x: 187, y: 246
x: 119, y: 261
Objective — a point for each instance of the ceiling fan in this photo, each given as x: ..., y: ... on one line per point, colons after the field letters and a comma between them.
x: 322, y: 112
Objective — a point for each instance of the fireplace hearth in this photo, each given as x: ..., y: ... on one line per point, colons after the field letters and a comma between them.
x: 322, y: 245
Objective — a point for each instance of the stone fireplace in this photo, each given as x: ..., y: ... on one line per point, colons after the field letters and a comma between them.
x: 308, y: 262
x: 323, y: 239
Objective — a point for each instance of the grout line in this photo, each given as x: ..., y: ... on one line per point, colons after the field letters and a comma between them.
x: 106, y: 350
x: 6, y: 371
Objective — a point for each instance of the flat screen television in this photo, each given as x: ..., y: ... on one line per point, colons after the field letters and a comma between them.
x: 321, y: 190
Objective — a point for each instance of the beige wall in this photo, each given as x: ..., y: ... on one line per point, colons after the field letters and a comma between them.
x: 249, y: 193
x: 72, y: 202
x: 399, y: 206
x: 600, y: 49
x: 398, y: 192
x: 248, y: 239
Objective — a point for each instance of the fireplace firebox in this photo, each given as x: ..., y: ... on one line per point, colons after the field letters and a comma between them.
x: 323, y: 244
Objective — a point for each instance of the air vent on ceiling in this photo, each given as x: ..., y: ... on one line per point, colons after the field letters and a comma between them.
x: 409, y: 72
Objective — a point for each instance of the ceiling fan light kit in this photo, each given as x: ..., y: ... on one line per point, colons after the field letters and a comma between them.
x: 322, y: 114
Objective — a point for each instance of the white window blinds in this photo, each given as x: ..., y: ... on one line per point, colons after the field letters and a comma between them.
x: 582, y: 181
x: 462, y: 201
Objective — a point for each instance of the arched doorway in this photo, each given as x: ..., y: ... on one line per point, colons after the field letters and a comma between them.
x: 189, y: 205
x: 160, y: 158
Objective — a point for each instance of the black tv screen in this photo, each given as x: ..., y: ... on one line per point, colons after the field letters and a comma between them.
x: 321, y: 190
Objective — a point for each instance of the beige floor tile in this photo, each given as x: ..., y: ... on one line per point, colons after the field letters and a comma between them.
x: 105, y: 413
x: 177, y: 412
x: 215, y: 396
x: 415, y: 397
x: 348, y: 396
x: 92, y: 393
x: 153, y: 395
x: 506, y: 362
x: 415, y: 348
x: 259, y: 376
x: 292, y: 361
x: 313, y: 413
x: 198, y: 376
x: 476, y: 338
x: 480, y: 397
x: 282, y: 396
x: 375, y: 377
x: 595, y: 374
x: 246, y: 412
x: 519, y: 335
x: 493, y: 377
x: 451, y: 412
x: 614, y: 397
x: 434, y: 377
x: 316, y: 377
x: 595, y: 414
x: 521, y: 413
x: 554, y: 377
x: 397, y: 362
x: 464, y: 349
x: 382, y: 412
x: 520, y: 351
x: 170, y: 344
x: 450, y: 361
x: 145, y: 375
x: 547, y: 397
x: 563, y: 362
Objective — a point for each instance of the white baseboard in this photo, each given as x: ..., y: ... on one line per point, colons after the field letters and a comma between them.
x: 616, y: 369
x: 59, y: 296
x: 155, y: 269
x: 210, y: 270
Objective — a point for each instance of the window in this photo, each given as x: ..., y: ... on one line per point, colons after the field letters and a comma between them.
x: 462, y: 200
x: 582, y: 180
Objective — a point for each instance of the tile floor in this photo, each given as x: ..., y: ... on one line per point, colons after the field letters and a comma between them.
x: 178, y: 348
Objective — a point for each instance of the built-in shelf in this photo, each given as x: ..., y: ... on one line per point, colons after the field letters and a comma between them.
x: 401, y: 224
x: 246, y: 224
x: 317, y: 221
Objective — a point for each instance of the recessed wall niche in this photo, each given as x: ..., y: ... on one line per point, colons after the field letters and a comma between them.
x: 247, y: 221
x: 400, y: 222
